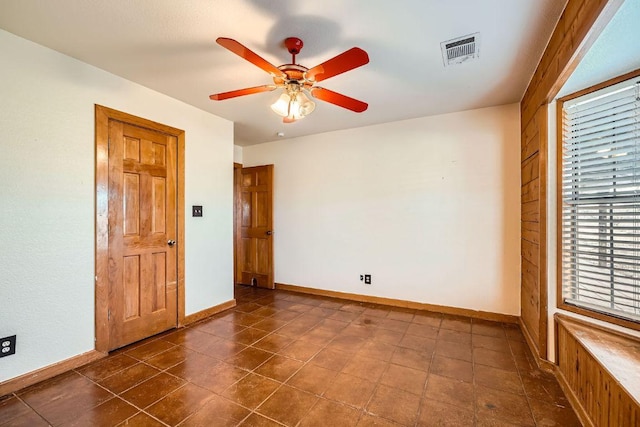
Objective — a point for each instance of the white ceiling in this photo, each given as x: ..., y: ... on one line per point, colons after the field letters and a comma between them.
x: 169, y: 46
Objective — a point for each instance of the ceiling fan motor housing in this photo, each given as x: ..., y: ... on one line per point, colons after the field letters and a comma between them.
x: 293, y: 72
x: 293, y: 45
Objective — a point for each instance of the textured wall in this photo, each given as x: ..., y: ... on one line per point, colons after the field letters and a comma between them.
x: 429, y: 207
x: 47, y: 199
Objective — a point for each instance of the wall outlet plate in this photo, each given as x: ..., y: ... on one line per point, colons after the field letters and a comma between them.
x: 367, y: 279
x: 196, y: 210
x: 7, y: 346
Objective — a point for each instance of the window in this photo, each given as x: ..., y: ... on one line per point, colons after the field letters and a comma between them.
x: 599, y: 189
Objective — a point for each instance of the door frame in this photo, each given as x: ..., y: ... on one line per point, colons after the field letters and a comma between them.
x: 102, y: 117
x: 237, y: 169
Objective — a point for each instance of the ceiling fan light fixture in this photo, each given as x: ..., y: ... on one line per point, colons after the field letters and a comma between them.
x: 293, y: 104
x: 304, y: 105
x: 281, y: 106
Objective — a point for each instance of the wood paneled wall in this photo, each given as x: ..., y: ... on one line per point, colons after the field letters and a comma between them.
x: 533, y: 293
x: 583, y: 353
x: 580, y: 24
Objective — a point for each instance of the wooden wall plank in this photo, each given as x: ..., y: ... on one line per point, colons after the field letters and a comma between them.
x: 530, y: 169
x: 530, y: 143
x: 530, y: 252
x: 530, y: 305
x: 531, y: 211
x: 530, y: 191
x: 530, y: 231
x: 580, y: 24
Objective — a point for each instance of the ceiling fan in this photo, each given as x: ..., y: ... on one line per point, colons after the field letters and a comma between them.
x: 296, y: 80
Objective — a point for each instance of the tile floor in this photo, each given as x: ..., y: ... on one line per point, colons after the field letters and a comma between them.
x: 285, y: 358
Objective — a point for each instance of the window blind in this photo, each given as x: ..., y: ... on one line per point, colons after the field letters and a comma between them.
x: 600, y: 187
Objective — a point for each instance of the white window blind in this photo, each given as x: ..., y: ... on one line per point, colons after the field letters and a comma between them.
x: 601, y: 201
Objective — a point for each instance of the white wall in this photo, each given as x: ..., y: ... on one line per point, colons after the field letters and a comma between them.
x: 47, y: 199
x: 430, y: 207
x: 237, y: 154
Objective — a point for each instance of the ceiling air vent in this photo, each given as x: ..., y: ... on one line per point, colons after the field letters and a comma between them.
x: 461, y: 49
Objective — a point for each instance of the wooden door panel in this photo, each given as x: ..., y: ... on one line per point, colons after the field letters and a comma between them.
x: 246, y: 260
x: 131, y: 204
x: 158, y: 204
x: 132, y: 149
x: 142, y: 219
x: 160, y: 154
x: 262, y: 261
x: 261, y: 177
x: 255, y: 241
x: 247, y: 179
x: 245, y: 206
x: 261, y: 209
x: 159, y: 262
x: 152, y: 153
x: 131, y: 285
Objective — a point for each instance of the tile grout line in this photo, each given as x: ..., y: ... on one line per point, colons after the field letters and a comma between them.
x: 473, y: 381
x: 30, y: 407
x: 426, y: 384
x: 526, y: 395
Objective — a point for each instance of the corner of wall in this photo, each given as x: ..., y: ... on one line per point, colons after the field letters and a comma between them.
x: 237, y: 154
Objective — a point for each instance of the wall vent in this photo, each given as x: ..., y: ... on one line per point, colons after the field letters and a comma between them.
x: 461, y: 49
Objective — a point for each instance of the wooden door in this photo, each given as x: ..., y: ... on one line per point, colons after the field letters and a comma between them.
x: 142, y: 233
x: 255, y: 213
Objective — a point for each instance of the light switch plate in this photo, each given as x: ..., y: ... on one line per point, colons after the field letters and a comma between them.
x: 196, y: 210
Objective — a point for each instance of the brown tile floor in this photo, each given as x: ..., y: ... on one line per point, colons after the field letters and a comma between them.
x: 284, y: 358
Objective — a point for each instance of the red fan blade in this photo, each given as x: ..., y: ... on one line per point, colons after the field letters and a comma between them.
x: 241, y: 92
x: 338, y: 99
x: 249, y: 55
x: 352, y: 58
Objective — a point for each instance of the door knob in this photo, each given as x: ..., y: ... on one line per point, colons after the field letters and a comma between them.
x: 171, y: 242
x: 269, y: 233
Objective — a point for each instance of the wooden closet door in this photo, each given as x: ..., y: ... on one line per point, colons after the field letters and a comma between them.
x: 142, y: 233
x: 255, y: 254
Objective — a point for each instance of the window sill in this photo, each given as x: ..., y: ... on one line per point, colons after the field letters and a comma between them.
x: 598, y: 316
x: 618, y: 354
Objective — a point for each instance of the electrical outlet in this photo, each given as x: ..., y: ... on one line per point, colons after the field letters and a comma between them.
x: 196, y: 210
x: 367, y: 279
x: 7, y: 346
